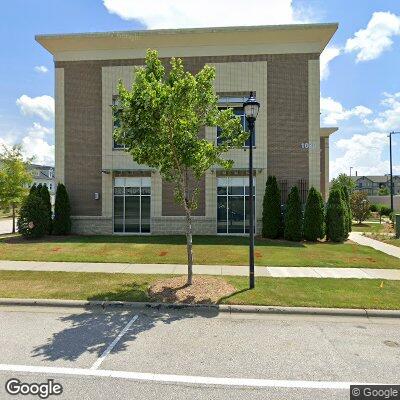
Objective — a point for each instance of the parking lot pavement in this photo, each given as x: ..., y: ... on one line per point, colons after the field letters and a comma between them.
x: 118, y: 354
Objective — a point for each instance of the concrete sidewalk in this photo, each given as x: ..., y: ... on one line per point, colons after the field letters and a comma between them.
x: 177, y: 269
x: 389, y: 249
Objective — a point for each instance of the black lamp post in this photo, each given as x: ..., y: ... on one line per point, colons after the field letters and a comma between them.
x: 391, y: 168
x: 251, y: 107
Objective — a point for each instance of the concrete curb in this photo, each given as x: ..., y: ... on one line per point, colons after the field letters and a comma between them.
x: 201, y: 308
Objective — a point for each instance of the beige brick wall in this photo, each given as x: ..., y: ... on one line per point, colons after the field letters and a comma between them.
x: 59, y: 125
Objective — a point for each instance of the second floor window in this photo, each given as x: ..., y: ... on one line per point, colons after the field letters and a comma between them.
x: 239, y: 112
x: 116, y: 124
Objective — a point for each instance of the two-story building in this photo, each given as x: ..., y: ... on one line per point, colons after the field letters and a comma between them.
x: 110, y: 193
x: 372, y: 184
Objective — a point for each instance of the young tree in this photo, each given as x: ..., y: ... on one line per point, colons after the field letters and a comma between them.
x: 62, y: 212
x: 343, y: 180
x: 360, y: 206
x: 314, y: 216
x: 160, y: 121
x: 383, y: 210
x: 383, y: 191
x: 294, y: 216
x: 335, y: 221
x: 271, y: 216
x: 14, y: 180
x: 44, y: 193
x: 33, y: 217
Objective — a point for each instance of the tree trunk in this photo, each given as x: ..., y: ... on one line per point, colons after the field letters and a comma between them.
x: 189, y: 245
x: 13, y: 219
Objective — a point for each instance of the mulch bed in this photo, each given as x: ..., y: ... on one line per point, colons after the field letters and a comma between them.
x: 204, y: 290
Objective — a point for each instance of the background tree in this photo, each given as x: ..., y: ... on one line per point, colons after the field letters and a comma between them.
x: 62, y: 212
x: 45, y: 195
x: 343, y: 180
x: 314, y: 218
x: 294, y: 216
x: 33, y: 217
x: 160, y: 120
x: 383, y: 210
x: 271, y: 216
x: 335, y: 220
x: 383, y: 191
x: 15, y: 179
x: 360, y: 206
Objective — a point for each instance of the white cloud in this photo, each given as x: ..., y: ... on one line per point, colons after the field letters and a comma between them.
x: 369, y: 43
x: 158, y: 14
x: 43, y: 106
x: 326, y: 57
x: 41, y: 69
x: 333, y: 112
x: 388, y: 119
x: 36, y: 144
x: 367, y: 154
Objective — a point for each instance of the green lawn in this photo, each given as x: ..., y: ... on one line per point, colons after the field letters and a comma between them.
x: 368, y: 227
x: 220, y: 250
x: 307, y: 292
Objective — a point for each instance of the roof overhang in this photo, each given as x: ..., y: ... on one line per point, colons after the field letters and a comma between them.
x: 241, y: 40
x: 326, y: 132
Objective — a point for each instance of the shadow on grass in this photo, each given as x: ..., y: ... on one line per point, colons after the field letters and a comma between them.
x: 222, y: 299
x: 139, y: 239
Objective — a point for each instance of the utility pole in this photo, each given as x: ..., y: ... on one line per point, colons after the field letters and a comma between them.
x: 391, y: 168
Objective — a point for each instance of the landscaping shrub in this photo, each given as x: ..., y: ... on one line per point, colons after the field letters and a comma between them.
x: 314, y: 216
x: 374, y: 207
x: 62, y: 212
x: 335, y: 221
x: 33, y: 217
x: 360, y: 206
x: 43, y: 192
x: 271, y: 217
x: 293, y: 216
x: 349, y: 215
x: 33, y: 189
x: 383, y: 210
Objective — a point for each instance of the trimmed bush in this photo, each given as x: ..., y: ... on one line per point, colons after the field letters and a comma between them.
x: 314, y: 216
x: 336, y: 219
x: 44, y: 193
x: 33, y: 217
x: 33, y: 189
x: 293, y: 216
x: 349, y: 215
x: 62, y: 212
x: 271, y: 217
x: 374, y: 207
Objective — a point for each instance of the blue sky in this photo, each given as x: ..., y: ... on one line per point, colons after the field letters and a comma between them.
x: 360, y: 94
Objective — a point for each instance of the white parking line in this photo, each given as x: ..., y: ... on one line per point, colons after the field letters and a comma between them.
x: 199, y: 380
x: 107, y: 351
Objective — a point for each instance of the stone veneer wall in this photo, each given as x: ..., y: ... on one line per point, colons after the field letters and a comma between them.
x: 92, y: 225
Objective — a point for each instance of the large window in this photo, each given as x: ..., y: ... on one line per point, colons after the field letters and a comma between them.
x: 233, y: 205
x: 239, y: 112
x: 132, y: 205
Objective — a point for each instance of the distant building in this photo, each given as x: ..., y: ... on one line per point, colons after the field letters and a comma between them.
x: 44, y: 175
x: 371, y: 184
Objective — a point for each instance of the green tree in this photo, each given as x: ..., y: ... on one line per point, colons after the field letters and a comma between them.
x: 62, y: 212
x: 15, y: 178
x: 33, y: 217
x: 343, y: 180
x: 45, y: 195
x: 314, y: 216
x: 349, y: 215
x: 335, y: 221
x: 360, y: 206
x: 271, y: 216
x: 383, y: 210
x: 160, y: 120
x: 294, y: 216
x: 384, y: 191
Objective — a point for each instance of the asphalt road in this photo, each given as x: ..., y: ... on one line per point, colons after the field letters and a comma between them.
x: 127, y: 355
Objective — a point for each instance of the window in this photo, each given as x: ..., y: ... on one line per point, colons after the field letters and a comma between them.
x: 50, y: 173
x: 132, y: 205
x: 237, y: 105
x: 233, y: 205
x: 116, y: 124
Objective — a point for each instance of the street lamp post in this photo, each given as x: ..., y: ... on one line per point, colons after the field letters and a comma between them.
x: 251, y: 107
x: 391, y: 168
